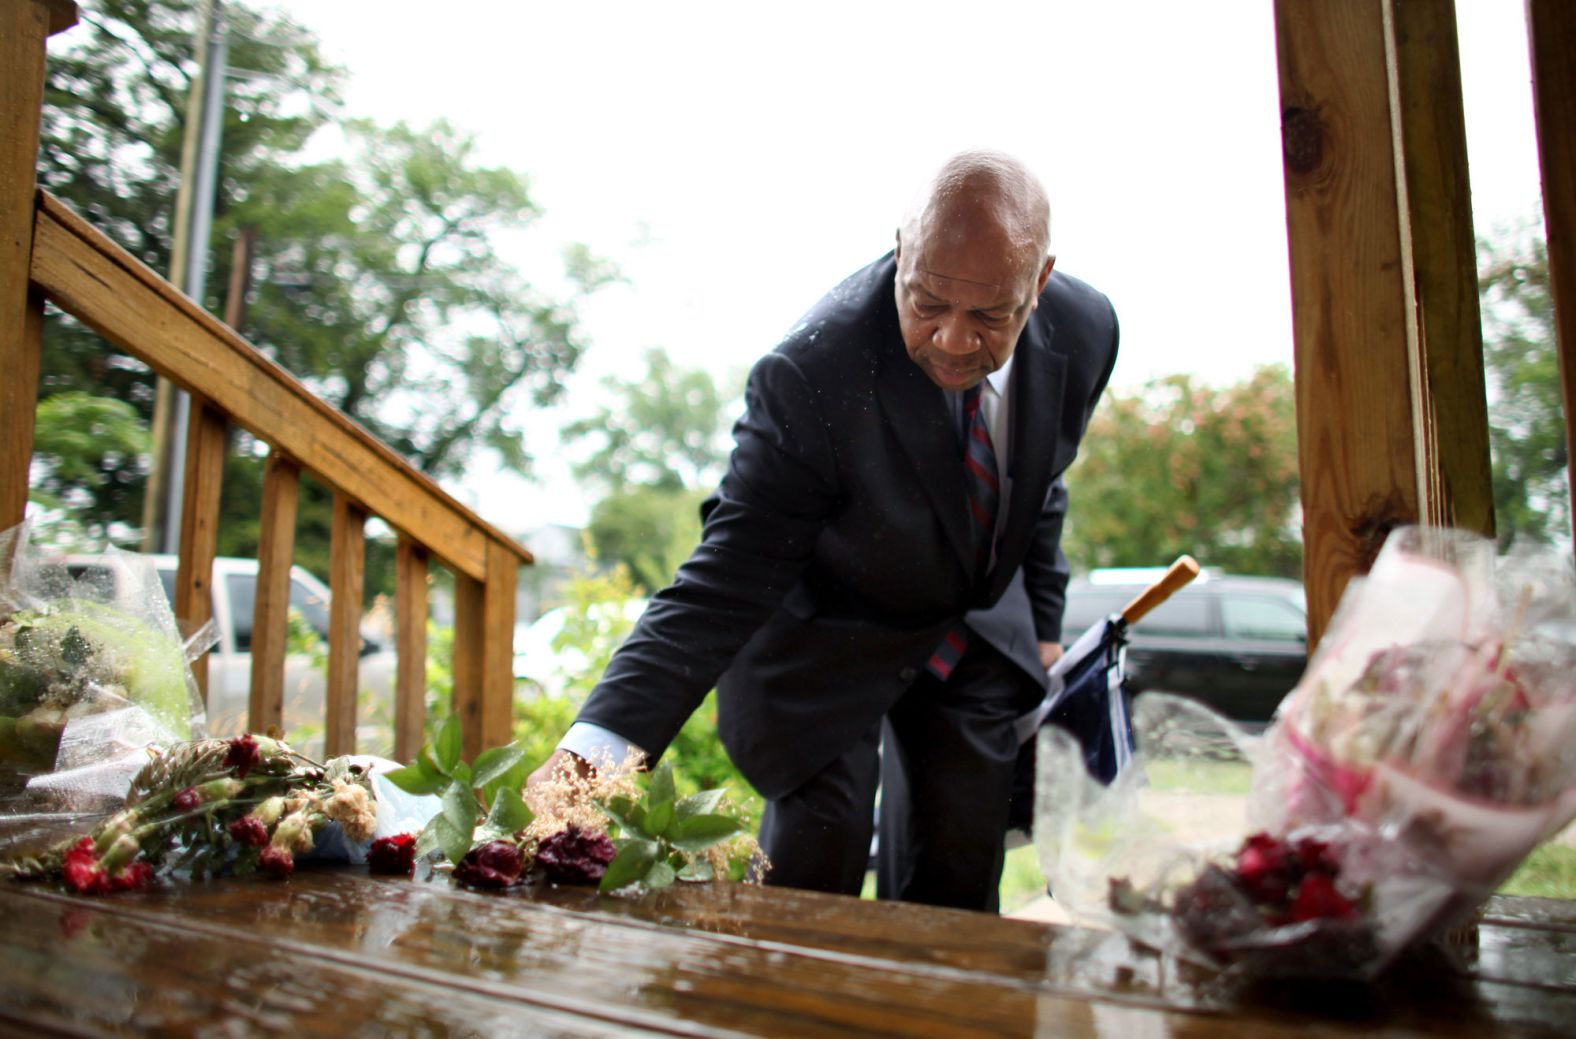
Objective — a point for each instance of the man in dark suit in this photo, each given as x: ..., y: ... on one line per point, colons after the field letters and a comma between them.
x: 885, y: 547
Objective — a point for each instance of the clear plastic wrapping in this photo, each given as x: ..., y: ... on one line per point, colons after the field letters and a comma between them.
x: 1428, y: 749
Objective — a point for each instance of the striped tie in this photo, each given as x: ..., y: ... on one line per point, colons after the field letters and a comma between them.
x: 979, y: 480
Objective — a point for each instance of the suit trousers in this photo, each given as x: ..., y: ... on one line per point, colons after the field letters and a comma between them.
x: 943, y: 760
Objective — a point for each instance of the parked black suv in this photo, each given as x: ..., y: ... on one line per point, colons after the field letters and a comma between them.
x: 1238, y: 644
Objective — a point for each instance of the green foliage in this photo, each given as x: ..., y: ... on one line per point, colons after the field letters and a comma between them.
x: 653, y: 452
x: 377, y: 278
x: 1549, y: 872
x: 664, y: 836
x: 481, y: 802
x: 1526, y: 416
x: 648, y: 530
x: 88, y: 456
x: 1180, y: 467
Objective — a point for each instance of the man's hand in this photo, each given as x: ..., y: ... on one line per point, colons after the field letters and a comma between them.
x: 1050, y: 653
x: 580, y: 766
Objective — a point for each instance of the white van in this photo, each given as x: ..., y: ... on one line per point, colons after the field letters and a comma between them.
x: 230, y: 662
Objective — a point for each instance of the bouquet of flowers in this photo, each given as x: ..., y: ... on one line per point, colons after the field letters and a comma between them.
x: 92, y: 672
x: 1428, y: 749
x: 205, y: 807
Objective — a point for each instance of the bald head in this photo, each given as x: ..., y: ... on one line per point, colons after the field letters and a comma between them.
x: 972, y: 259
x: 983, y: 194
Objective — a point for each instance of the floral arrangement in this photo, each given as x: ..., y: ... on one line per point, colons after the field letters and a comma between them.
x: 237, y: 806
x: 596, y: 828
x: 1428, y: 748
x: 91, y: 668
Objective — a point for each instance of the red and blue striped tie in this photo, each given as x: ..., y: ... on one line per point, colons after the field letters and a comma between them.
x: 984, y: 496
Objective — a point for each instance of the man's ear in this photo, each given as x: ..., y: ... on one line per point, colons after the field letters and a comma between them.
x: 1045, y: 275
x: 897, y: 250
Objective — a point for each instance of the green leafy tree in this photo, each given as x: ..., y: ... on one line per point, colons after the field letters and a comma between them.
x: 655, y: 451
x: 1179, y: 467
x: 87, y: 459
x: 377, y: 277
x: 1526, y: 416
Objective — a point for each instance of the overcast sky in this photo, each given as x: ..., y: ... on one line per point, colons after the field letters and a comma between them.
x: 736, y: 160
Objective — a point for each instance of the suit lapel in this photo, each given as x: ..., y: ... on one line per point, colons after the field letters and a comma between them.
x: 1039, y: 375
x: 918, y: 416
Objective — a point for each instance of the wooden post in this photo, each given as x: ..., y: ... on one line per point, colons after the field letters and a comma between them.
x: 1551, y: 34
x: 347, y: 563
x: 206, y: 439
x: 410, y: 644
x: 25, y: 25
x: 1383, y: 364
x: 484, y: 651
x: 270, y: 615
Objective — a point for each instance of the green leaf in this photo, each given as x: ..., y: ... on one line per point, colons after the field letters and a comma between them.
x: 702, y: 803
x: 459, y: 808
x: 427, y: 763
x: 659, y: 876
x: 661, y: 791
x: 427, y: 842
x: 509, y: 812
x: 454, y: 842
x: 700, y: 832
x: 448, y: 744
x: 697, y: 871
x: 493, y: 763
x: 414, y: 780
x: 512, y: 779
x: 632, y: 862
x: 630, y: 817
x: 462, y: 774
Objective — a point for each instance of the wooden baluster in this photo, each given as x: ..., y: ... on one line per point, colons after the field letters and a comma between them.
x: 347, y: 565
x: 1551, y: 32
x: 410, y: 641
x: 25, y: 25
x: 206, y: 433
x: 1377, y: 445
x: 484, y: 651
x: 270, y: 616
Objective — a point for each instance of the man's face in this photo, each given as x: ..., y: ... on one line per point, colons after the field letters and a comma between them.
x: 962, y: 301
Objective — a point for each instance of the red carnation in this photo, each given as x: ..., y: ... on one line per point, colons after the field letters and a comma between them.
x: 249, y: 829
x: 494, y: 864
x: 243, y: 755
x: 572, y: 856
x: 1317, y: 899
x: 82, y: 870
x: 133, y: 877
x: 188, y: 800
x: 276, y: 861
x: 1264, y: 869
x: 396, y: 854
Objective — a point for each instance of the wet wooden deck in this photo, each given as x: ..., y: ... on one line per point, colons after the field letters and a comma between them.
x: 336, y: 952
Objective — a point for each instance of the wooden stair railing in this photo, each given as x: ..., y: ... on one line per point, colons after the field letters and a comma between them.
x: 49, y: 252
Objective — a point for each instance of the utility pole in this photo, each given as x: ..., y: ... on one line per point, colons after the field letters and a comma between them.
x: 161, y: 510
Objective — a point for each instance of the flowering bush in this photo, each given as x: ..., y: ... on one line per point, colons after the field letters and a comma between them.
x: 1429, y: 747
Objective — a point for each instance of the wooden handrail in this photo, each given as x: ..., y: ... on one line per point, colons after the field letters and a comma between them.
x: 82, y: 271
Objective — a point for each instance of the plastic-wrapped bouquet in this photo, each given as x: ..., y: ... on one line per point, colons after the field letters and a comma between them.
x: 92, y: 672
x: 1428, y: 749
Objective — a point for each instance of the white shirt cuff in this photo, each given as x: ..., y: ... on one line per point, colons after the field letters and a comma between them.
x: 598, y: 745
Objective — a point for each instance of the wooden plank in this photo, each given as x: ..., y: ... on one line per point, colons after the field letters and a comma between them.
x: 484, y: 652
x: 1357, y: 436
x: 1440, y: 251
x: 24, y: 26
x: 347, y: 566
x: 270, y: 616
x: 1551, y: 33
x: 410, y: 644
x: 95, y: 280
x: 206, y: 434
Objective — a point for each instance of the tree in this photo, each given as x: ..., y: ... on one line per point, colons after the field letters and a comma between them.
x: 1178, y: 467
x: 1526, y: 416
x: 378, y: 278
x: 655, y: 452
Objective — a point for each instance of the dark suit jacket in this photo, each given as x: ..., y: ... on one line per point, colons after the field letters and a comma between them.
x: 836, y: 551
